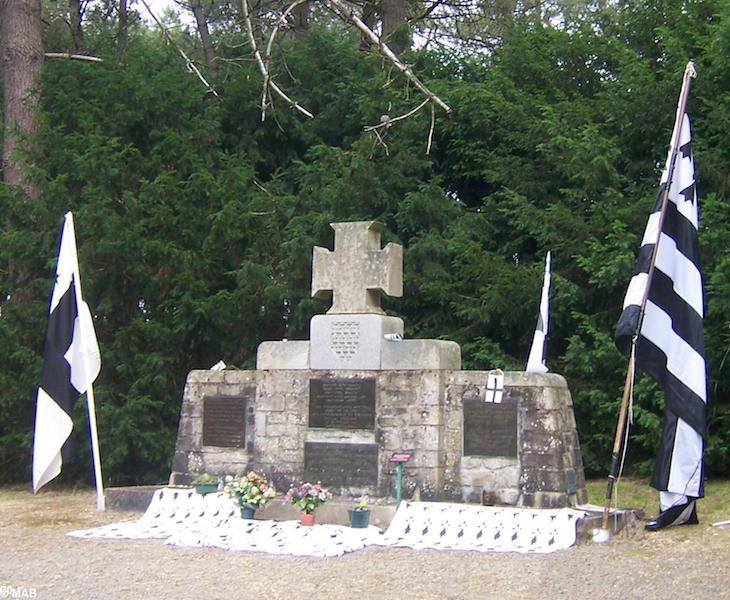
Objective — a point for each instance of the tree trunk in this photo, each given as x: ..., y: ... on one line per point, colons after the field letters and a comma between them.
x: 300, y: 18
x: 77, y: 33
x: 122, y: 25
x: 197, y: 7
x: 369, y: 18
x: 394, y: 15
x: 21, y: 51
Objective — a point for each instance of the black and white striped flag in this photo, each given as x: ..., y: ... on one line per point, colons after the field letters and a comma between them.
x: 538, y: 350
x: 71, y: 363
x: 669, y: 335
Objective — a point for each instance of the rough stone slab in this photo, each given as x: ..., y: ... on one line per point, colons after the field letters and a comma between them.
x: 350, y: 341
x: 133, y: 498
x: 421, y: 354
x: 283, y: 355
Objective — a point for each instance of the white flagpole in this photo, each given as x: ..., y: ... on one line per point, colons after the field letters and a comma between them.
x: 100, y: 503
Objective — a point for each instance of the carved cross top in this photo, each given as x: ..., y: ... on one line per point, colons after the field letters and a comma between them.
x: 358, y: 271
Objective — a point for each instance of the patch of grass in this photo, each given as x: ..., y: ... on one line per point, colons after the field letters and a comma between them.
x: 13, y: 492
x: 637, y: 493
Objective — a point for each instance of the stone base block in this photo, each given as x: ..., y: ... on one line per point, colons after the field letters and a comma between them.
x: 283, y: 355
x: 350, y: 341
x: 421, y: 354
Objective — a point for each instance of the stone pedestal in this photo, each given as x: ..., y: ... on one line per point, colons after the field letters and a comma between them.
x: 350, y: 341
x: 336, y: 408
x: 283, y: 355
x: 342, y: 426
x: 409, y: 355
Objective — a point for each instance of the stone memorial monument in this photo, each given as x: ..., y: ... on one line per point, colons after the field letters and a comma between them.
x: 336, y: 407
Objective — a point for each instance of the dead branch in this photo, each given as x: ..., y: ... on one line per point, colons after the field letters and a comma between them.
x: 386, y: 121
x: 268, y: 82
x: 282, y: 20
x: 72, y: 56
x: 347, y: 13
x: 188, y: 63
x: 430, y: 131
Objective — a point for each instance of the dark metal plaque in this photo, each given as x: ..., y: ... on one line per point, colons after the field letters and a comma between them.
x: 342, y: 403
x: 224, y: 421
x: 345, y: 465
x: 490, y: 429
x: 571, y: 481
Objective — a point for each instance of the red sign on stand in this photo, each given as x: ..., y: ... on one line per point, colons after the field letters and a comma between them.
x: 400, y: 457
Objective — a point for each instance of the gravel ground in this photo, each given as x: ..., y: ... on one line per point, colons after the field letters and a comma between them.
x: 38, y: 560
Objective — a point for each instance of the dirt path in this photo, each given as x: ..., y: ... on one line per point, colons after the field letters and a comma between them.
x: 39, y: 560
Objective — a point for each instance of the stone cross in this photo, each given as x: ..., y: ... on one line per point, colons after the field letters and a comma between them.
x: 358, y: 271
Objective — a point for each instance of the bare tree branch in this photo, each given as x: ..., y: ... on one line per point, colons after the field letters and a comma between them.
x: 188, y: 63
x: 72, y: 56
x: 428, y: 11
x: 386, y: 121
x: 430, y: 131
x: 347, y: 13
x: 268, y: 82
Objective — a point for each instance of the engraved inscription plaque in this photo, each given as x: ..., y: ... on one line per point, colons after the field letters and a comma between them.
x: 490, y: 429
x: 224, y: 421
x: 342, y: 403
x: 344, y: 465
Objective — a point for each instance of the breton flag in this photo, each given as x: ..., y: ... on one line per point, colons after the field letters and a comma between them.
x: 71, y: 363
x: 536, y: 360
x: 667, y: 333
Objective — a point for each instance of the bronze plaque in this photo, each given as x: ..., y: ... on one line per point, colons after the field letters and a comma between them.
x: 490, y: 429
x: 342, y: 403
x: 224, y: 421
x: 336, y: 464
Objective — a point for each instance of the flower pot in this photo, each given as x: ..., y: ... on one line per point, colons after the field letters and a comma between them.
x: 247, y: 512
x: 307, y: 519
x: 359, y: 519
x: 205, y: 488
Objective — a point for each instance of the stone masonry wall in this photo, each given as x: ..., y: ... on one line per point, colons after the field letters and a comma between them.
x: 548, y: 469
x: 418, y: 412
x: 191, y: 457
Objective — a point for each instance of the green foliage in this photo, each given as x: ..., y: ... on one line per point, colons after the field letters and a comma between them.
x: 195, y: 220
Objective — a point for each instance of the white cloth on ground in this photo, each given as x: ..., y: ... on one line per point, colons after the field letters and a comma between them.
x: 184, y: 518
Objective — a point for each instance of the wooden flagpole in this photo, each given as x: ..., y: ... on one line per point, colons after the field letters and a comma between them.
x: 689, y: 74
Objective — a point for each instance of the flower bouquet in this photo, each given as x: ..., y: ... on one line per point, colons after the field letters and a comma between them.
x: 250, y: 492
x: 308, y: 497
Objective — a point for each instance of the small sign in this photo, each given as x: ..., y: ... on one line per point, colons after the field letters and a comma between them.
x: 495, y: 386
x: 400, y: 457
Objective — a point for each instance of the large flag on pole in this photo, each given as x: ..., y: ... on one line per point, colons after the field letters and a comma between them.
x: 536, y: 359
x: 71, y: 362
x: 662, y: 316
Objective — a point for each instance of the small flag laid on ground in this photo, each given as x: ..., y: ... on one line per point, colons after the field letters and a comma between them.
x: 662, y: 316
x: 71, y: 362
x: 536, y: 360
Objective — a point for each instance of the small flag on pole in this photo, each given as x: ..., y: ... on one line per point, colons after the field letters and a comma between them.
x: 536, y: 360
x: 662, y: 316
x: 71, y: 362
